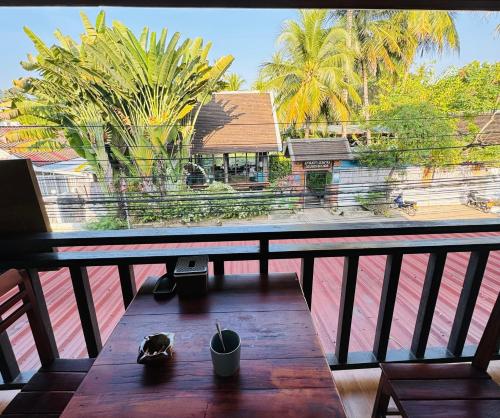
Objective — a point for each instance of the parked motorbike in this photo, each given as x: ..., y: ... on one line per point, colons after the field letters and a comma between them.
x: 407, y: 206
x: 478, y: 202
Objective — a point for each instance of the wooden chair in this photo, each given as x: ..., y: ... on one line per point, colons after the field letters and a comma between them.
x: 50, y: 389
x: 444, y: 390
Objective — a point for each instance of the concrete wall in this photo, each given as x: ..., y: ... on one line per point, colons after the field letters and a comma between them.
x: 427, y: 187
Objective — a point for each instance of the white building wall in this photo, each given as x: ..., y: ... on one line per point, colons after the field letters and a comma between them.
x: 440, y: 186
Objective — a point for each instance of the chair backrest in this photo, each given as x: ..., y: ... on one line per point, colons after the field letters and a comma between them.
x: 23, y: 301
x: 488, y: 346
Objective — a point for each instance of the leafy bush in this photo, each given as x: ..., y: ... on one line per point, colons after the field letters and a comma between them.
x: 279, y: 167
x: 218, y: 200
x: 375, y: 202
x: 317, y: 181
x: 420, y: 134
x: 106, y: 223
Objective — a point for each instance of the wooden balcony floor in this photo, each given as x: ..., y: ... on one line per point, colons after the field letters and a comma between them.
x: 326, y: 294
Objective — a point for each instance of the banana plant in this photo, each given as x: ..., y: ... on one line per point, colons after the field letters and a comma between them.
x: 140, y: 96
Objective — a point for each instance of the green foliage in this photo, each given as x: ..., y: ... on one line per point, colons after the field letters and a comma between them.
x: 233, y: 82
x: 106, y: 223
x: 317, y: 180
x: 219, y: 201
x: 308, y: 73
x: 420, y: 134
x: 375, y: 202
x: 473, y: 88
x: 279, y: 167
x: 139, y: 95
x: 426, y: 102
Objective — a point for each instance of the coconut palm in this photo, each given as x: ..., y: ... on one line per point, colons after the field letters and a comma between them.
x: 427, y: 31
x: 233, y: 82
x: 375, y: 40
x: 308, y: 72
x: 386, y: 41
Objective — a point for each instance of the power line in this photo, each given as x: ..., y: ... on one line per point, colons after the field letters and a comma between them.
x: 215, y: 125
x: 339, y: 154
x: 195, y: 144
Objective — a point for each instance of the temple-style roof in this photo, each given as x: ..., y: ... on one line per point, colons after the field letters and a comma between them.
x: 237, y: 122
x: 313, y: 149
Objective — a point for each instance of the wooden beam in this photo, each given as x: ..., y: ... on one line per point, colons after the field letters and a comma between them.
x: 86, y: 309
x: 219, y: 267
x: 43, y: 312
x: 27, y: 242
x: 386, y: 306
x: 467, y: 302
x: 249, y: 252
x: 306, y: 279
x: 264, y: 256
x: 8, y: 362
x: 275, y: 4
x: 127, y: 282
x: 349, y: 278
x: 432, y: 282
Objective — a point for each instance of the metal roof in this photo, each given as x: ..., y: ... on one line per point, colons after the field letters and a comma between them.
x: 318, y: 149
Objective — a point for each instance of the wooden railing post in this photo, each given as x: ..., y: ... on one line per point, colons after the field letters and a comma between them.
x: 43, y: 313
x: 86, y: 309
x: 127, y: 282
x: 8, y: 362
x: 170, y: 266
x: 386, y: 306
x: 306, y: 279
x: 219, y: 267
x: 430, y: 291
x: 349, y: 278
x: 467, y: 302
x: 264, y: 256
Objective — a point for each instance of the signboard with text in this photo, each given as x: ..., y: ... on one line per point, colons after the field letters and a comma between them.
x: 317, y: 164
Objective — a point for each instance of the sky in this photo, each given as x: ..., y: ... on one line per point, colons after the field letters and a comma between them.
x: 249, y: 35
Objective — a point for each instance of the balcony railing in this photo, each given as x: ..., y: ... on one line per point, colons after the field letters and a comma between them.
x: 35, y: 252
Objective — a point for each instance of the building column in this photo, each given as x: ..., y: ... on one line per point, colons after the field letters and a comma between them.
x: 333, y: 188
x: 226, y: 168
x: 265, y: 165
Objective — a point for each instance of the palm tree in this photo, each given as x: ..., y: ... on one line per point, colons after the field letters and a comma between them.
x: 233, y: 82
x: 308, y: 73
x: 427, y: 31
x: 138, y: 96
x: 375, y: 42
x: 386, y: 41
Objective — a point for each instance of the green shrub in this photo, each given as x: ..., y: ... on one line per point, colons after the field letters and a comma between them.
x: 317, y: 180
x: 279, y: 167
x: 218, y: 200
x: 375, y: 202
x: 106, y: 223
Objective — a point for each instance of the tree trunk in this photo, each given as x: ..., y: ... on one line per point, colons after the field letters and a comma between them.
x: 307, y: 128
x: 114, y: 179
x: 366, y: 101
x: 345, y: 94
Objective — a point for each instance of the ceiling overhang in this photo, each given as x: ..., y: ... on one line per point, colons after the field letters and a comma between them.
x: 269, y: 4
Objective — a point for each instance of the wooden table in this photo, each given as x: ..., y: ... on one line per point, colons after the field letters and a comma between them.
x: 283, y: 371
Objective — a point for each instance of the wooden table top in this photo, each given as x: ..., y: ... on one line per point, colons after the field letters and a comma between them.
x: 283, y: 371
